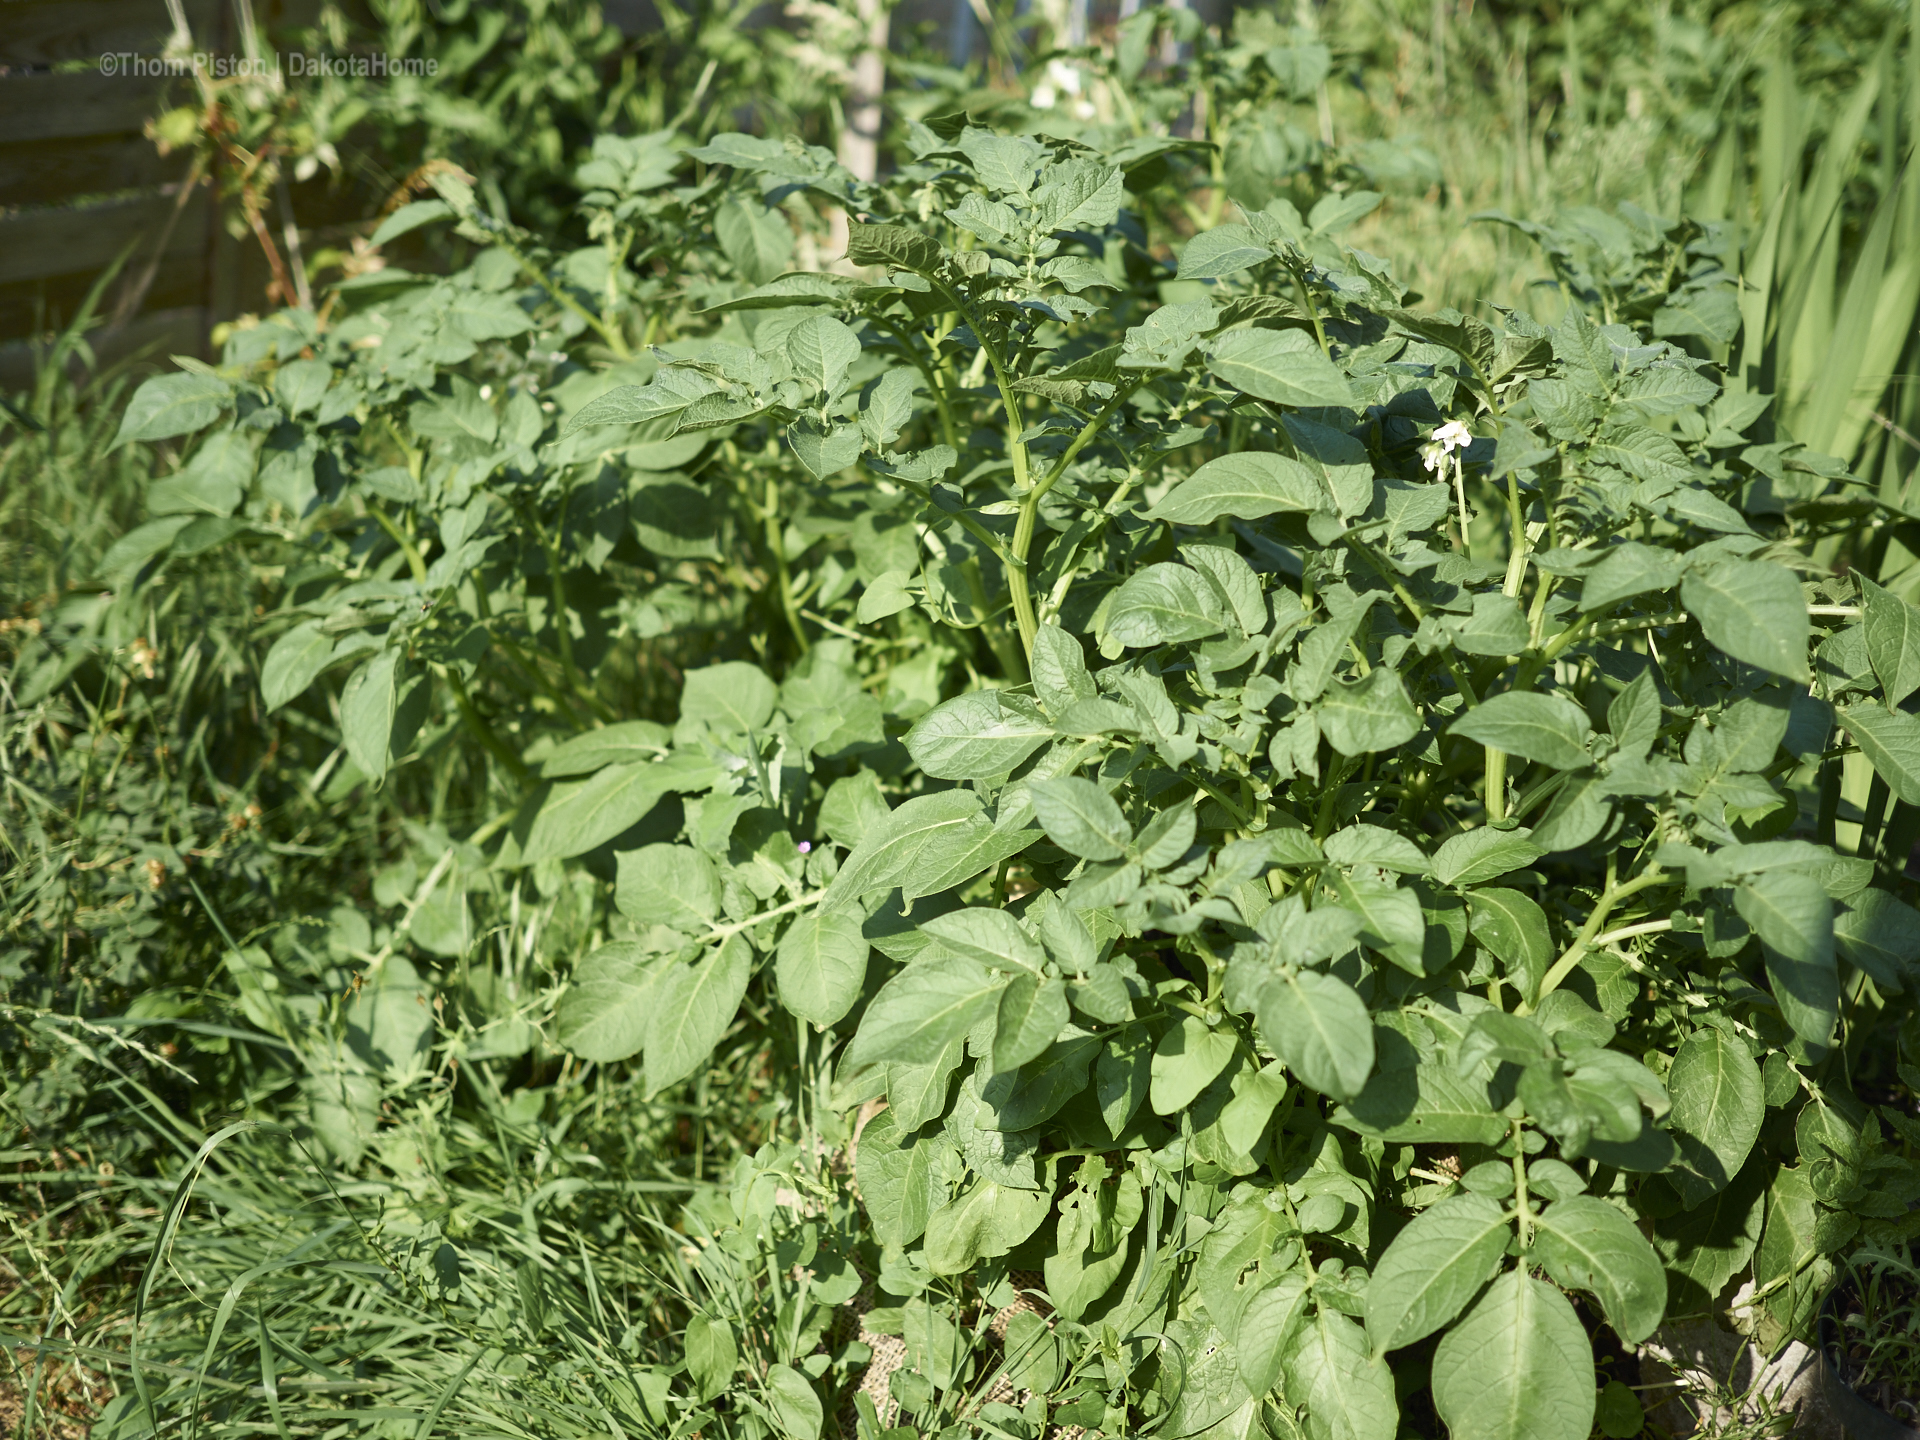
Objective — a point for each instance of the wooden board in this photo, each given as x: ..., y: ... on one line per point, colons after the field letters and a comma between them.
x: 43, y: 243
x: 48, y: 172
x: 149, y: 338
x: 64, y: 107
x: 46, y: 32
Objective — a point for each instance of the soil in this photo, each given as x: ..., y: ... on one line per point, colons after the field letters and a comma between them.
x: 62, y: 1412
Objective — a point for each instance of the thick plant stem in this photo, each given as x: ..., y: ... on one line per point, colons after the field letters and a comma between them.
x: 776, y: 546
x: 1017, y: 584
x: 1582, y: 944
x: 1522, y: 1205
x: 482, y: 731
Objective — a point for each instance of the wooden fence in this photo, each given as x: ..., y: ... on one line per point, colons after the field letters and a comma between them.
x: 80, y: 182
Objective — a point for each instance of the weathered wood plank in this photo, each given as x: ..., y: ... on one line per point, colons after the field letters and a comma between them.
x: 46, y: 32
x: 47, y: 172
x: 43, y: 243
x: 152, y: 337
x: 63, y: 107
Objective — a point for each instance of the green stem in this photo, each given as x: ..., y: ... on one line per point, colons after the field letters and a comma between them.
x: 482, y: 731
x: 1577, y: 951
x: 1030, y: 509
x: 1521, y: 1206
x: 777, y: 548
x: 616, y: 342
x: 1313, y: 312
x: 416, y: 565
x: 927, y: 372
x: 563, y: 633
x: 722, y: 932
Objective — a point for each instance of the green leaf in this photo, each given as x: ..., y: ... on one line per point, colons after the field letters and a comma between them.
x: 924, y: 1008
x: 1482, y: 854
x: 1122, y: 1077
x: 1519, y: 1367
x: 734, y: 696
x: 632, y: 405
x: 987, y: 1220
x: 1245, y: 485
x: 821, y: 350
x: 1718, y: 1103
x: 1752, y: 610
x: 169, y: 405
x: 1185, y: 1062
x: 1425, y: 1103
x: 1368, y: 716
x: 1348, y: 1392
x: 1162, y: 604
x: 1032, y: 1012
x: 1514, y: 928
x: 1244, y: 1119
x: 712, y: 1355
x: 1081, y: 818
x: 1224, y: 250
x: 672, y: 885
x: 908, y: 848
x: 1284, y: 366
x: 821, y: 965
x: 695, y: 1005
x: 381, y: 709
x: 581, y: 814
x: 1705, y: 1247
x: 993, y: 937
x: 755, y: 238
x: 620, y: 743
x: 917, y: 1093
x: 1788, y: 1261
x: 1893, y: 641
x: 410, y: 217
x: 1634, y: 716
x: 1434, y: 1268
x: 1545, y: 728
x: 1587, y: 1244
x: 1390, y: 921
x: 215, y: 481
x: 1881, y: 935
x: 899, y: 1175
x: 893, y: 245
x: 291, y: 665
x: 1365, y: 844
x: 795, y: 1405
x: 885, y: 595
x: 1890, y: 739
x: 1060, y: 676
x: 977, y: 736
x: 825, y: 450
x: 1793, y: 916
x: 1319, y: 1027
x: 1619, y: 1413
x: 1266, y: 1328
x: 608, y: 1005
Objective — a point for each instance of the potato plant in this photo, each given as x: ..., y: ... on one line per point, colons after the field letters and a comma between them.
x: 1324, y: 822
